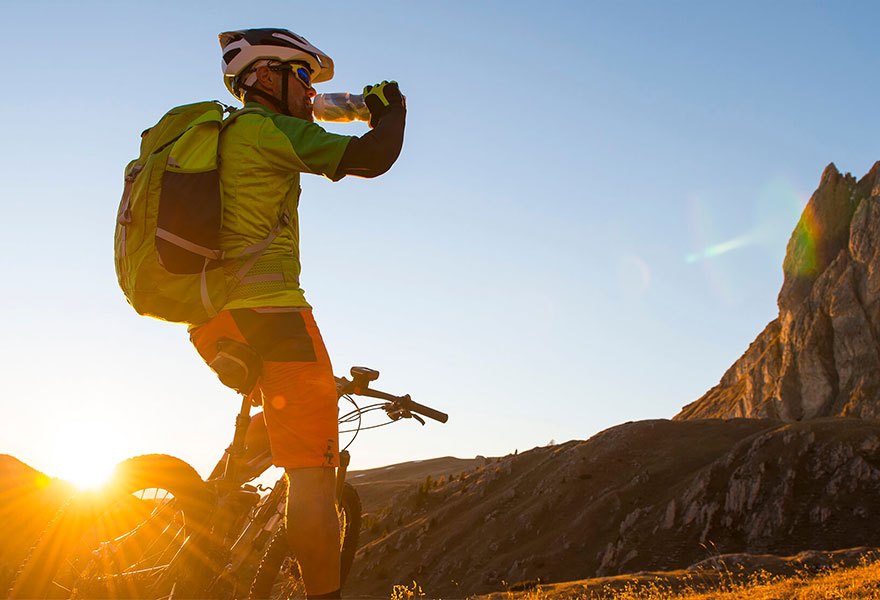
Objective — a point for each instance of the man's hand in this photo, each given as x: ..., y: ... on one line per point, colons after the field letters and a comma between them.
x: 380, y: 97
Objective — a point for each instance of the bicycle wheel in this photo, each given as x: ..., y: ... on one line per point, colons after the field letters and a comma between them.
x: 278, y: 575
x: 120, y: 542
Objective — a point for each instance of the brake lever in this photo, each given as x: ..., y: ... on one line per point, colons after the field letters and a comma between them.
x: 394, y: 411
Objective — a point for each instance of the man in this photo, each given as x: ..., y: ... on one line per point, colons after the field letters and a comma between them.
x: 262, y: 154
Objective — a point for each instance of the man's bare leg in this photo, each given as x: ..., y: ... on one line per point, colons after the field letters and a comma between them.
x: 313, y: 532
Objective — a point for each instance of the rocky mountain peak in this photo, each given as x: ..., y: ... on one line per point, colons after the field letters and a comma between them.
x: 820, y: 235
x: 821, y: 356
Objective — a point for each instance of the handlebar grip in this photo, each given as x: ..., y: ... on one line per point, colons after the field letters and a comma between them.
x: 427, y: 411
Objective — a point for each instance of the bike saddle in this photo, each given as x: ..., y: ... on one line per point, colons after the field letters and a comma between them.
x: 237, y: 365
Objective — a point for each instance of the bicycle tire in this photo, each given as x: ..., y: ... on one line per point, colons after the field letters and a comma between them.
x: 99, y: 541
x: 278, y: 575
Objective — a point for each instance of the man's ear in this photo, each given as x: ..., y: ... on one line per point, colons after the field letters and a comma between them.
x: 265, y: 78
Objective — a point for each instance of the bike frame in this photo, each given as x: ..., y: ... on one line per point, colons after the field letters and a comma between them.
x: 231, y: 484
x: 237, y: 541
x: 233, y: 479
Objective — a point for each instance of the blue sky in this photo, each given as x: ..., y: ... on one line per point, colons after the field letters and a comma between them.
x: 586, y: 225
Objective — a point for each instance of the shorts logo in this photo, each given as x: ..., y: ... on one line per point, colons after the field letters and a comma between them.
x: 329, y: 453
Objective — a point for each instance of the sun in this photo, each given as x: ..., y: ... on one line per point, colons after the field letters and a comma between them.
x: 90, y: 475
x: 85, y: 459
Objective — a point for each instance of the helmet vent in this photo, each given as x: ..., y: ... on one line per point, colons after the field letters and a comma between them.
x: 231, y: 54
x: 295, y: 41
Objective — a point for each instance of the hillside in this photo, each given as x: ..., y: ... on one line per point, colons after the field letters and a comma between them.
x: 28, y: 500
x: 378, y: 487
x: 651, y: 495
x: 643, y: 498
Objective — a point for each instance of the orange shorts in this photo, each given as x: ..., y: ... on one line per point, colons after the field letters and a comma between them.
x: 297, y: 385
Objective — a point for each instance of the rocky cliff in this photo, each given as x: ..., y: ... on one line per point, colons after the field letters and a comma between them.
x: 821, y: 356
x: 651, y: 495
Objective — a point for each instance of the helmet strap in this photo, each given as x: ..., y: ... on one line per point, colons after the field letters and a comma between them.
x: 280, y: 104
x: 285, y: 72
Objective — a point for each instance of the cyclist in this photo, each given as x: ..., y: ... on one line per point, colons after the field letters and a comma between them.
x: 262, y: 154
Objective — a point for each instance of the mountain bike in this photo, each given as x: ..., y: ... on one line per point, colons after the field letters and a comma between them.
x: 160, y: 531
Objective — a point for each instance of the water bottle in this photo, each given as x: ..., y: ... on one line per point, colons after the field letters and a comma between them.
x: 341, y: 107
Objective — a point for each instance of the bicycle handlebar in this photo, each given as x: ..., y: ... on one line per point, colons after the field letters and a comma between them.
x: 403, y: 404
x: 427, y: 411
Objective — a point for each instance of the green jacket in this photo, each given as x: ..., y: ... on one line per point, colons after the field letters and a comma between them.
x: 261, y: 157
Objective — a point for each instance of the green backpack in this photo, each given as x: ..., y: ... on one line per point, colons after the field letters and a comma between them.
x: 167, y: 253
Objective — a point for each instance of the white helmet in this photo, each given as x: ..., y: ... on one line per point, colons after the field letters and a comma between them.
x: 241, y: 49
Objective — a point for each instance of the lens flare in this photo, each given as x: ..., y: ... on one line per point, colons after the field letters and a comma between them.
x: 719, y: 249
x: 804, y: 245
x: 775, y: 209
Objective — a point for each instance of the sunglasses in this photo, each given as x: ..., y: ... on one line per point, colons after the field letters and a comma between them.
x: 301, y: 72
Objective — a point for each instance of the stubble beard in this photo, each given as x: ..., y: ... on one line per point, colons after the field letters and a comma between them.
x: 303, y: 109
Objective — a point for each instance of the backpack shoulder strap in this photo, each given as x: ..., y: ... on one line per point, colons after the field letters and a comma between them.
x: 239, y: 112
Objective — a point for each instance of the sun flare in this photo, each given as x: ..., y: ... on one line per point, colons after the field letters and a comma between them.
x: 87, y: 459
x: 90, y: 475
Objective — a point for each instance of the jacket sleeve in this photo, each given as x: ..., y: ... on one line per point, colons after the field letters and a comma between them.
x: 373, y: 153
x: 292, y: 144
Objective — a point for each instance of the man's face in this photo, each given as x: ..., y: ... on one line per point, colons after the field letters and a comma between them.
x: 299, y: 97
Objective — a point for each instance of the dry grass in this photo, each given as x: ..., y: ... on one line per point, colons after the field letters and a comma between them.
x: 843, y: 583
x: 846, y: 584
